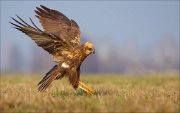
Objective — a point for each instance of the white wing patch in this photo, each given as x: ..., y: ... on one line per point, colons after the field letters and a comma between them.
x: 65, y: 65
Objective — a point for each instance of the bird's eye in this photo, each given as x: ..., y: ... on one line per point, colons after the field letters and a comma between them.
x: 90, y: 49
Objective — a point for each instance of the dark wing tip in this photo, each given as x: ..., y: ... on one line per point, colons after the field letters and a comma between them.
x: 38, y: 9
x: 45, y: 8
x: 42, y: 6
x: 37, y: 12
x: 74, y: 23
x: 42, y: 11
x: 37, y: 16
x: 14, y: 24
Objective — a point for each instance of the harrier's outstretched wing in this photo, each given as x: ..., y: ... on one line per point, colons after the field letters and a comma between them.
x: 48, y: 41
x: 57, y: 23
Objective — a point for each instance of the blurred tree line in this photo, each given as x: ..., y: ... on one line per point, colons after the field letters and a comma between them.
x: 162, y: 56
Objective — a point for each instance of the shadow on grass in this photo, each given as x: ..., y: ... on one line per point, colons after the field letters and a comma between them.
x: 61, y: 94
x: 102, y: 93
x: 80, y: 93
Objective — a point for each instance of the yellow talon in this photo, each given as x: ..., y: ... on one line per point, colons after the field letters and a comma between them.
x: 90, y: 89
x: 86, y: 88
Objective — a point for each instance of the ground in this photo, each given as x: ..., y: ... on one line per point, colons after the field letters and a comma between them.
x: 113, y: 93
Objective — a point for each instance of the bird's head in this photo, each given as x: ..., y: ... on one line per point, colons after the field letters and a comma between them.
x: 89, y: 48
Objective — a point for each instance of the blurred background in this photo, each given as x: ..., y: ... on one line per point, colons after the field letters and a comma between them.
x: 131, y: 37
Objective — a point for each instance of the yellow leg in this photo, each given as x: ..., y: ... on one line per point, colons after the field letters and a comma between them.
x: 86, y: 88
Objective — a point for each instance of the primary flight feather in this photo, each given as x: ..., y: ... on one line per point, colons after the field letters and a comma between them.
x: 61, y: 39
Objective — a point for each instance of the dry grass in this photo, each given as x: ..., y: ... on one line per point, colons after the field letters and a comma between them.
x: 156, y: 93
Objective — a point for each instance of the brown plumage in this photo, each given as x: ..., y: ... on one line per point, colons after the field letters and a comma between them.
x: 61, y: 39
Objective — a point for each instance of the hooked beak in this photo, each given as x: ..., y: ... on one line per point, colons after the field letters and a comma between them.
x: 94, y: 51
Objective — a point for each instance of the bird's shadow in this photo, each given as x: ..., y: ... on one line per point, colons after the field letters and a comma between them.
x: 80, y: 93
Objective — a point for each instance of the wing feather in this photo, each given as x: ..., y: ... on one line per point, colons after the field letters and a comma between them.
x: 57, y: 23
x: 48, y: 41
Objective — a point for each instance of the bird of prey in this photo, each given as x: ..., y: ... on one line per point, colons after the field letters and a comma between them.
x: 61, y: 39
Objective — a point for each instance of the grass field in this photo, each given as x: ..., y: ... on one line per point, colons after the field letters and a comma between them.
x: 156, y: 93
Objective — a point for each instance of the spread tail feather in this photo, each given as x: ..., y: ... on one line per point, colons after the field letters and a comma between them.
x: 48, y: 74
x: 48, y: 78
